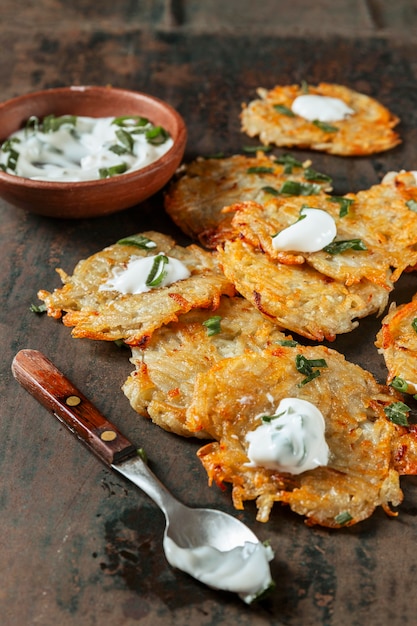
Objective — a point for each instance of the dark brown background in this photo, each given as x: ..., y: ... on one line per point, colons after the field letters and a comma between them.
x: 78, y: 545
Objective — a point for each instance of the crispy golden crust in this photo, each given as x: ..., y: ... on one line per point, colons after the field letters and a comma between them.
x: 367, y: 131
x: 361, y: 474
x: 397, y: 342
x: 162, y: 384
x: 196, y: 199
x: 111, y: 315
x: 298, y: 297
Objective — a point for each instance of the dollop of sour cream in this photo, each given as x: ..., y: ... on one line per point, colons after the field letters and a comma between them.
x: 134, y: 277
x: 82, y: 148
x: 292, y: 440
x: 314, y: 230
x: 322, y: 108
x: 243, y: 570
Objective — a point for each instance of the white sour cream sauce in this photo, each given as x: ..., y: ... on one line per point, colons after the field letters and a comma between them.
x: 322, y: 108
x: 243, y: 570
x: 132, y: 279
x: 315, y: 230
x: 77, y: 152
x: 293, y: 441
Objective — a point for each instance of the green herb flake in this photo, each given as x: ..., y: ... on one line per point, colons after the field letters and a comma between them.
x: 108, y: 172
x: 414, y: 324
x: 399, y: 384
x: 125, y: 139
x: 412, y: 205
x: 130, y: 121
x: 269, y: 418
x: 344, y: 204
x: 289, y: 162
x: 38, y: 308
x: 397, y: 412
x: 156, y: 135
x: 213, y: 325
x: 305, y: 366
x: 260, y: 169
x: 140, y: 241
x: 291, y: 343
x: 254, y: 149
x: 295, y: 188
x: 271, y: 190
x: 50, y: 123
x: 281, y: 108
x: 325, y: 127
x: 343, y: 518
x: 310, y: 174
x: 337, y: 247
x: 158, y: 271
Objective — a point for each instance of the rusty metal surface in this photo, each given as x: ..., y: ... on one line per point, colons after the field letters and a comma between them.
x: 79, y: 546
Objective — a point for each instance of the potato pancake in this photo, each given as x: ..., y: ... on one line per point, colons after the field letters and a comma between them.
x: 397, y: 342
x: 230, y: 399
x: 298, y: 297
x: 366, y: 130
x: 97, y: 310
x: 162, y: 384
x: 195, y: 200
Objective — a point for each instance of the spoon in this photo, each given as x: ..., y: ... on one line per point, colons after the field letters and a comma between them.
x: 210, y: 545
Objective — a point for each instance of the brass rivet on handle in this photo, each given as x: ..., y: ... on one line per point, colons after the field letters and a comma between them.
x: 73, y: 401
x: 108, y: 435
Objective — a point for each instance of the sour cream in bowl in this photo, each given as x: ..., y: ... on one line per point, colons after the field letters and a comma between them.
x: 78, y: 152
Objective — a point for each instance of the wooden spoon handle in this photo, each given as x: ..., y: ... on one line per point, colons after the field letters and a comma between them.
x: 50, y: 387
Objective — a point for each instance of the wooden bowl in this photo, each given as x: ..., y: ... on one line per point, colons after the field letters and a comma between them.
x: 96, y: 197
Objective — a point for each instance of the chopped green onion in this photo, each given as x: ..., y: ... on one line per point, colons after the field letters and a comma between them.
x: 38, y: 308
x: 260, y: 169
x: 305, y: 366
x: 12, y: 160
x: 414, y: 324
x: 271, y: 190
x: 310, y: 174
x: 158, y: 271
x: 280, y: 108
x: 156, y: 135
x: 343, y: 518
x: 412, y: 205
x: 288, y: 342
x: 399, y: 384
x: 295, y: 188
x: 268, y: 418
x: 344, y: 204
x: 213, y: 325
x: 337, y: 247
x: 304, y: 86
x: 289, y: 162
x: 108, y: 172
x: 32, y: 124
x: 50, y: 123
x: 138, y: 240
x: 397, y: 412
x: 125, y: 121
x: 218, y: 155
x: 125, y: 139
x: 251, y: 149
x: 327, y: 128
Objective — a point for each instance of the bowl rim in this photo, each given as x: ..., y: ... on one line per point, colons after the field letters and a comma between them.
x: 21, y: 181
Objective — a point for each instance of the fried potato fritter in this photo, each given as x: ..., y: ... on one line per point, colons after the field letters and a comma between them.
x: 298, y: 297
x: 195, y: 200
x: 368, y: 130
x: 397, y: 342
x: 111, y: 315
x: 361, y: 474
x: 162, y: 384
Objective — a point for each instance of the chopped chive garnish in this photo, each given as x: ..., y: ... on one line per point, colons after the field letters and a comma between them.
x: 310, y: 174
x: 397, y: 412
x: 288, y: 342
x: 343, y: 518
x: 138, y: 240
x: 268, y: 418
x: 260, y: 169
x: 289, y: 163
x: 213, y: 325
x: 108, y: 172
x: 50, y: 123
x: 344, y: 204
x: 399, y: 384
x: 280, y: 108
x: 38, y: 308
x: 252, y: 149
x: 337, y: 247
x: 414, y: 324
x: 130, y: 121
x: 325, y: 127
x: 295, y: 188
x: 158, y: 271
x: 271, y: 190
x: 125, y: 139
x: 412, y: 205
x: 156, y: 135
x: 305, y: 366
